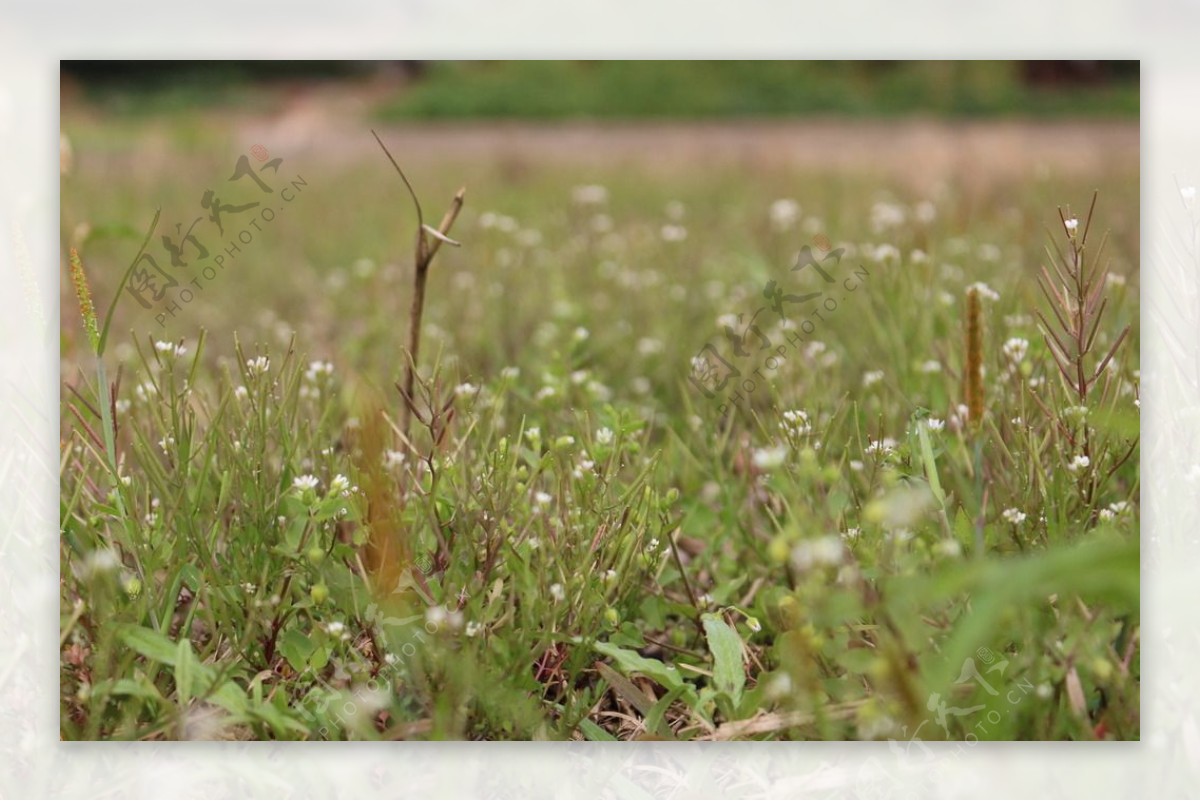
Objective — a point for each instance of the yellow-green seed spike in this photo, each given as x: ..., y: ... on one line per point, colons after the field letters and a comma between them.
x: 84, y: 294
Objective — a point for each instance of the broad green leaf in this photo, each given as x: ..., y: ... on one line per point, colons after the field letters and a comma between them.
x: 296, y: 648
x: 729, y: 674
x: 631, y: 661
x: 185, y: 671
x: 593, y: 732
x: 149, y: 643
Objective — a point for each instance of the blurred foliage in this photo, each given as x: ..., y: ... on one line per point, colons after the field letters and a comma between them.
x: 644, y: 89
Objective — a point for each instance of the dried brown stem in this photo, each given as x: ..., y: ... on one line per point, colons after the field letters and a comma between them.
x: 429, y: 240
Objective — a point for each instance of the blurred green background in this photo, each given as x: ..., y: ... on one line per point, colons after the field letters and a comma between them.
x: 550, y: 90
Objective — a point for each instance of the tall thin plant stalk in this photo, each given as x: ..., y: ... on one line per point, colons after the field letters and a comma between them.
x: 428, y: 241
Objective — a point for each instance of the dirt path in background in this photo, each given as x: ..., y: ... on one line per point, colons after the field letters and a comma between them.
x: 922, y: 151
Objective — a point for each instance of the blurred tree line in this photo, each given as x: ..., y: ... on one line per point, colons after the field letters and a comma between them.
x: 644, y: 89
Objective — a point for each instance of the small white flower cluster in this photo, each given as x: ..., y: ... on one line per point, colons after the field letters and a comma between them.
x: 882, y: 446
x: 817, y: 552
x: 589, y: 195
x: 501, y: 222
x: 340, y: 485
x: 984, y: 291
x: 1015, y: 349
x: 318, y: 369
x: 872, y: 377
x: 959, y: 416
x: 1080, y: 462
x: 258, y: 365
x: 766, y: 459
x: 673, y: 233
x: 170, y: 349
x: 886, y: 215
x: 795, y: 423
x: 1014, y: 516
x: 931, y: 366
x: 337, y: 629
x: 315, y: 374
x: 934, y: 424
x: 438, y: 616
x: 557, y: 592
x: 784, y: 214
x: 393, y: 459
x: 306, y: 482
x: 466, y: 389
x: 584, y: 467
x: 1075, y: 412
x: 1071, y: 224
x: 604, y: 436
x: 648, y: 346
x: 1114, y: 509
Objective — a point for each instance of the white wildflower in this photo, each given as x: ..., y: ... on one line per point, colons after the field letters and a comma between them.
x: 934, y: 424
x: 1015, y: 348
x: 306, y: 482
x: 258, y: 365
x: 557, y: 592
x: 795, y: 422
x: 1014, y: 516
x: 784, y: 213
x: 542, y: 498
x: 170, y: 348
x: 648, y: 346
x: 984, y: 291
x: 589, y: 194
x: 604, y: 436
x: 883, y: 446
x: 769, y: 458
x: 1080, y: 462
x: 872, y: 377
x: 950, y: 547
x: 812, y: 553
x: 673, y: 233
x: 318, y: 369
x: 1072, y: 224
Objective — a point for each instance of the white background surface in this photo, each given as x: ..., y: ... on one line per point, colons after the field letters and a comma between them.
x: 35, y: 35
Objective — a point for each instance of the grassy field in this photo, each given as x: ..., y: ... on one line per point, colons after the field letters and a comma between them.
x: 908, y: 522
